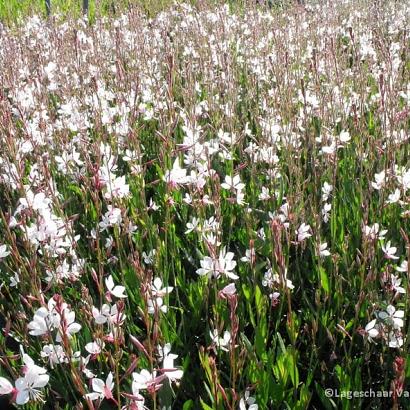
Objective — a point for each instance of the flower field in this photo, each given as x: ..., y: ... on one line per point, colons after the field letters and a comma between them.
x: 206, y: 208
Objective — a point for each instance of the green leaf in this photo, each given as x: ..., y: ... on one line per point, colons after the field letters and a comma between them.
x: 324, y: 279
x: 246, y: 291
x: 204, y: 405
x: 281, y: 344
x: 327, y: 402
x: 258, y: 300
x: 188, y: 405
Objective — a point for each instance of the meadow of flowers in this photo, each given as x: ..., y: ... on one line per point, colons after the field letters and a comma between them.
x: 206, y: 209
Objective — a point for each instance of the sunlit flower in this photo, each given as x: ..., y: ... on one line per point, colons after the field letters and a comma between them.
x: 115, y: 290
x: 389, y: 251
x: 215, y: 267
x: 221, y: 342
x: 168, y: 367
x: 323, y: 251
x: 403, y: 267
x: 392, y: 317
x: 393, y: 197
x: 372, y: 330
x: 35, y: 378
x: 101, y: 389
x: 143, y: 380
x: 380, y: 180
x: 395, y: 283
x: 326, y: 191
x: 303, y: 232
x: 3, y: 251
x: 247, y: 402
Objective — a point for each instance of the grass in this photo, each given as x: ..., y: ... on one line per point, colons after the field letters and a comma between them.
x: 12, y: 10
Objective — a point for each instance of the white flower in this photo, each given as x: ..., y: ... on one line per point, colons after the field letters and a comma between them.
x: 395, y: 283
x: 117, y: 291
x: 323, y: 250
x: 329, y: 149
x: 95, y: 347
x: 403, y: 267
x: 303, y: 232
x: 326, y: 212
x: 138, y: 400
x: 249, y: 256
x: 248, y: 401
x: 194, y: 225
x: 228, y: 290
x: 392, y: 317
x: 233, y: 183
x: 28, y: 386
x: 152, y: 206
x: 395, y: 340
x: 394, y: 197
x: 5, y: 386
x: 271, y: 279
x: 211, y: 239
x: 156, y: 303
x: 177, y: 175
x: 108, y: 314
x: 111, y: 217
x: 158, y: 290
x: 261, y: 234
x: 14, y: 280
x: 101, y: 390
x: 380, y: 180
x: 167, y: 359
x: 143, y: 380
x: 3, y: 251
x: 43, y: 322
x: 35, y: 378
x: 187, y: 198
x: 326, y: 191
x: 372, y: 330
x: 215, y: 267
x: 68, y: 327
x: 221, y: 342
x: 102, y: 316
x: 54, y: 353
x: 228, y: 138
x: 240, y: 197
x: 404, y: 180
x: 372, y: 232
x: 117, y: 188
x: 389, y: 251
x: 83, y: 366
x: 264, y: 195
x: 344, y: 136
x: 149, y: 258
x: 38, y: 202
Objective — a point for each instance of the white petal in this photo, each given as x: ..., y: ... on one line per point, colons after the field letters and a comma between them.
x: 373, y: 332
x: 118, y: 292
x: 22, y: 397
x: 109, y: 382
x: 41, y: 380
x: 109, y: 282
x: 157, y: 283
x: 92, y: 396
x: 5, y: 386
x: 390, y: 310
x: 399, y: 313
x: 98, y: 385
x: 370, y: 325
